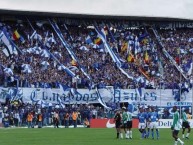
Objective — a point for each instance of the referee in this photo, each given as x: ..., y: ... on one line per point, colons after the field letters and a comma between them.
x: 117, y: 120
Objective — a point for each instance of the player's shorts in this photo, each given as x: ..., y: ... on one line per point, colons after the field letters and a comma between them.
x: 117, y: 124
x: 141, y: 126
x: 148, y: 125
x: 185, y: 125
x: 175, y: 132
x: 153, y: 125
x: 124, y: 125
x: 129, y: 124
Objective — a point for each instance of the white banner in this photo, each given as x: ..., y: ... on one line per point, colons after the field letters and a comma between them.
x: 165, y: 98
x: 166, y: 123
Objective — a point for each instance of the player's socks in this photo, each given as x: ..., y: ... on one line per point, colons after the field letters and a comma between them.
x: 127, y: 134
x: 152, y: 134
x: 131, y: 136
x: 187, y: 135
x: 182, y: 135
x: 181, y: 142
x: 144, y: 133
x: 148, y: 132
x: 176, y: 142
x: 157, y: 133
x: 117, y: 135
x: 121, y: 135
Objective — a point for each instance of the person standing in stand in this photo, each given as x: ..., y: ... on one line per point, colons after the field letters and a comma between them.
x: 74, y: 118
x: 39, y: 119
x: 56, y: 119
x: 66, y: 120
x: 29, y: 119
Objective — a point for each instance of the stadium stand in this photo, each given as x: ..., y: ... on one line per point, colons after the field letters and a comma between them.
x: 125, y: 55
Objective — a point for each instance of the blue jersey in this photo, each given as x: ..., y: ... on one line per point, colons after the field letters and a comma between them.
x: 148, y: 115
x: 142, y: 117
x: 153, y: 116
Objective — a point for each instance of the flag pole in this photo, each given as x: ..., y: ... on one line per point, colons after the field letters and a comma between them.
x: 192, y: 88
x: 30, y: 24
x: 160, y: 91
x: 192, y: 99
x: 180, y: 84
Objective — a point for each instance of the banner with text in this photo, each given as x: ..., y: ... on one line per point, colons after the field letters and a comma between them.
x: 132, y: 96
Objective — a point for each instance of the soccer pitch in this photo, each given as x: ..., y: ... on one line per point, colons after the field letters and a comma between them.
x: 79, y: 136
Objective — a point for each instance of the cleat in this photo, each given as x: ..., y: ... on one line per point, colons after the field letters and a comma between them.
x: 187, y: 137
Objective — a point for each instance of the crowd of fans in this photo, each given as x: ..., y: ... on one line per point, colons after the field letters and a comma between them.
x: 137, y: 48
x: 34, y: 63
x: 20, y: 114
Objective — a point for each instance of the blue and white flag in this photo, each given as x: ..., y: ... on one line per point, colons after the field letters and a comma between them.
x: 61, y: 103
x: 45, y: 63
x: 50, y: 41
x: 15, y: 94
x: 8, y: 71
x: 44, y: 53
x: 101, y: 100
x: 190, y: 68
x: 26, y: 68
x: 9, y: 49
x: 84, y: 48
x: 67, y: 46
x: 140, y: 92
x: 88, y: 40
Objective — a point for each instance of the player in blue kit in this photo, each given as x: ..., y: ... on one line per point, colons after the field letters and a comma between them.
x: 154, y: 118
x: 142, y: 122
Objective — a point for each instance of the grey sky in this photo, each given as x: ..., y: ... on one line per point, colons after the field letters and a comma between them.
x: 153, y: 8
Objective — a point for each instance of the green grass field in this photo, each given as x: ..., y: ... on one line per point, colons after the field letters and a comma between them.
x: 78, y: 136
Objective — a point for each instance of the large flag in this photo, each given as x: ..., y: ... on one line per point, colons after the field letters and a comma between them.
x: 146, y: 57
x: 73, y: 63
x: 97, y: 41
x: 4, y: 39
x: 17, y: 36
x: 130, y: 57
x: 68, y: 47
x: 124, y: 47
x: 88, y: 40
x: 161, y: 68
x: 105, y: 31
x: 9, y: 49
x: 190, y: 67
x: 101, y: 101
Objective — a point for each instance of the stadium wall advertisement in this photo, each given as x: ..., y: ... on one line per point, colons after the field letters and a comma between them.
x: 109, y: 123
x: 156, y: 97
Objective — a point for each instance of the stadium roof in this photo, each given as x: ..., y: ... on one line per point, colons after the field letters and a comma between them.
x: 168, y: 9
